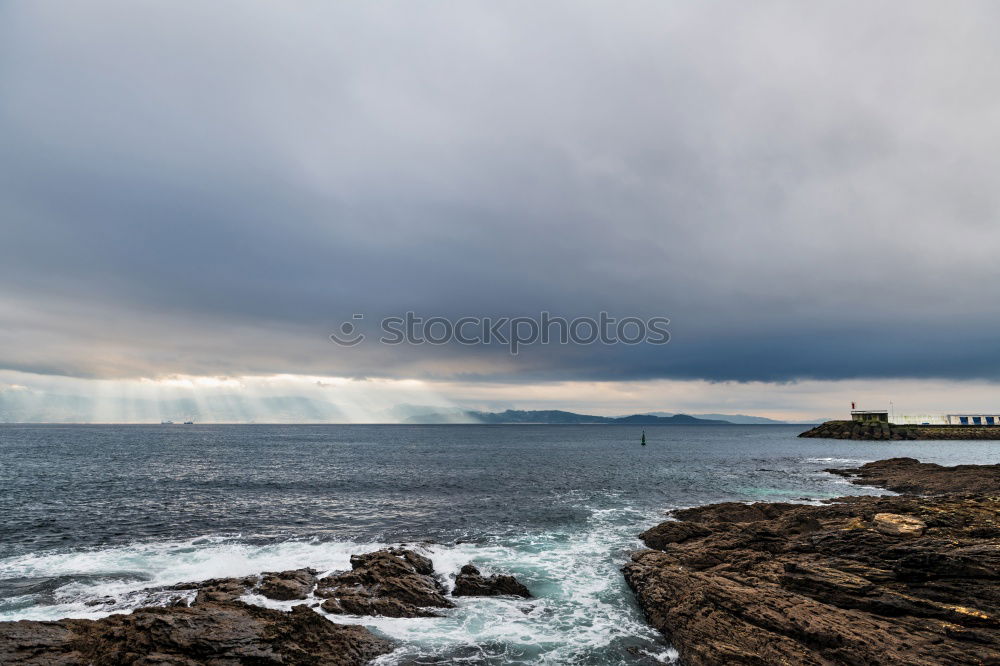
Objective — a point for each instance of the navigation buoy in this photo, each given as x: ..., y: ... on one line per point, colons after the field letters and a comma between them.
x: 643, y: 440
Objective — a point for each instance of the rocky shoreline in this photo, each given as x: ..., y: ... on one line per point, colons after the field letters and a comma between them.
x: 912, y: 579
x: 908, y: 579
x: 890, y: 431
x: 208, y: 622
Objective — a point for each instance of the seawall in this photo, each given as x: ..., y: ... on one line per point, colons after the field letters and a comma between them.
x: 889, y: 431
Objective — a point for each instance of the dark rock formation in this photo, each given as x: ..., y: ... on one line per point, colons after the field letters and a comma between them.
x: 394, y: 582
x: 288, y: 585
x: 293, y: 585
x: 890, y: 431
x: 206, y: 633
x: 219, y: 629
x: 471, y: 583
x: 672, y: 532
x: 863, y: 580
x: 219, y: 590
x: 908, y: 475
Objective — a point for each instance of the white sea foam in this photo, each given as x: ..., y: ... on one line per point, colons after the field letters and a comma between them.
x: 858, y: 461
x: 581, y: 605
x: 122, y: 572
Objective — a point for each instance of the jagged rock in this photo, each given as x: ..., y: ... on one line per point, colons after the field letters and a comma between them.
x: 862, y: 580
x: 206, y: 633
x: 291, y: 585
x: 395, y: 582
x: 471, y: 583
x: 288, y: 585
x: 894, y: 524
x: 908, y: 475
x: 219, y: 590
x: 673, y: 532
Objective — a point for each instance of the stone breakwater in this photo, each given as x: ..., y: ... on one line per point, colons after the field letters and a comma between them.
x: 218, y: 627
x: 889, y: 431
x: 860, y: 580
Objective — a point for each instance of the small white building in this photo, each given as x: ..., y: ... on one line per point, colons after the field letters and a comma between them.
x: 870, y: 416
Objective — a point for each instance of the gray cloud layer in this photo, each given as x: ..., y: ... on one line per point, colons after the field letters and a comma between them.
x: 806, y: 190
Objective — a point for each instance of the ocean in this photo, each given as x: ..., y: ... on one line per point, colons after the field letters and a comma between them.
x: 90, y: 516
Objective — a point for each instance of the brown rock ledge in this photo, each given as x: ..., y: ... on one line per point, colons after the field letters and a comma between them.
x: 909, y: 475
x: 796, y: 584
x: 219, y: 629
x: 221, y: 634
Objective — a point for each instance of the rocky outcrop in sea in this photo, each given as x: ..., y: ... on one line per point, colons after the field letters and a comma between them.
x: 911, y: 579
x: 395, y: 582
x: 209, y: 622
x: 470, y: 582
x: 909, y: 475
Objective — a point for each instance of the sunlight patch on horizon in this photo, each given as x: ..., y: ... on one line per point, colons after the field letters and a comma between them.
x: 288, y: 398
x: 215, y: 399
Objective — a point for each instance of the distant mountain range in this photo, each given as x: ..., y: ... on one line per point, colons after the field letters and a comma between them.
x: 555, y: 416
x: 743, y: 419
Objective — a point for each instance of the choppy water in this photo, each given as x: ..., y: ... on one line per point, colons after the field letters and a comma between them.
x: 88, y: 512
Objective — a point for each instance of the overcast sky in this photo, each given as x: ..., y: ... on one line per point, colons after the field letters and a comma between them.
x: 807, y: 190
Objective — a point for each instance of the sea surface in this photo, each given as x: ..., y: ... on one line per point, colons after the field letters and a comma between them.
x: 90, y: 516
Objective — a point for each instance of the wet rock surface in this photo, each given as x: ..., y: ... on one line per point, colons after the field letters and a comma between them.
x: 219, y: 590
x: 909, y: 475
x: 204, y: 633
x: 862, y: 580
x: 395, y: 582
x: 471, y: 583
x: 288, y: 585
x: 206, y: 622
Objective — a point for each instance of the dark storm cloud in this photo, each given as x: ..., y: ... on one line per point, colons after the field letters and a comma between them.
x: 806, y: 190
